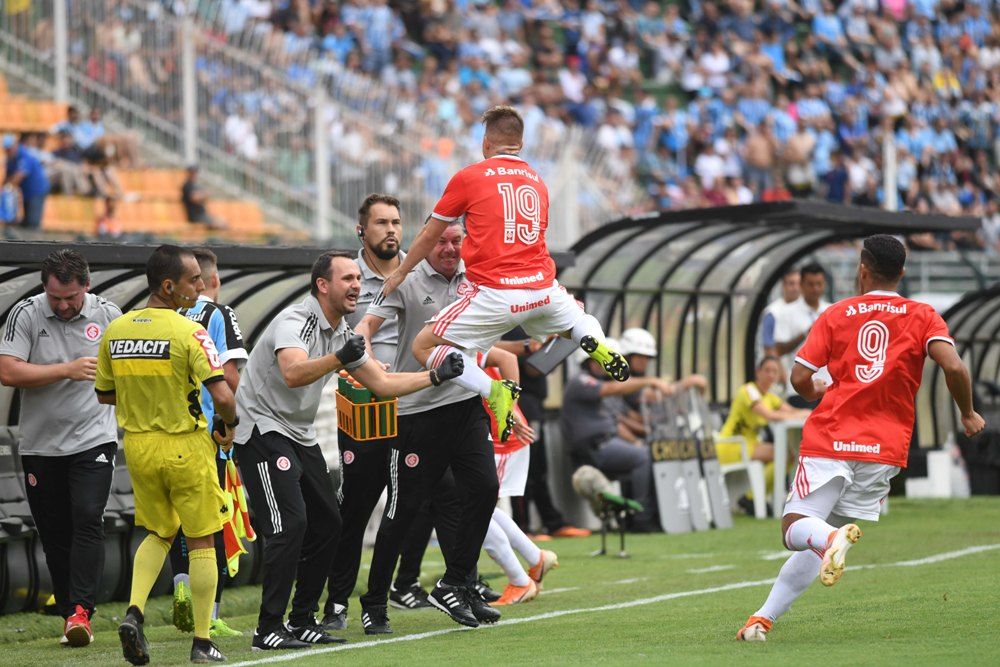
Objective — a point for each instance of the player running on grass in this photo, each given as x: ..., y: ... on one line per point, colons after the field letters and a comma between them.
x: 858, y: 438
x: 511, y: 276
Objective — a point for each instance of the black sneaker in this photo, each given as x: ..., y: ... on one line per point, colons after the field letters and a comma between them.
x: 454, y: 601
x: 484, y: 590
x: 411, y: 597
x: 203, y: 651
x: 135, y: 648
x: 375, y: 620
x: 313, y: 633
x: 337, y: 619
x: 482, y: 611
x: 277, y: 640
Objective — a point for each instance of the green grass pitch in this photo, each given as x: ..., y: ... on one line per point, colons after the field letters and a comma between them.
x: 928, y: 593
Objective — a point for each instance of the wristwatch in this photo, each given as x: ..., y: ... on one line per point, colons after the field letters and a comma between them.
x: 527, y: 346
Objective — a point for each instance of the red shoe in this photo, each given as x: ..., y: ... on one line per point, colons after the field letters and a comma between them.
x: 571, y: 531
x: 755, y: 630
x: 78, y: 631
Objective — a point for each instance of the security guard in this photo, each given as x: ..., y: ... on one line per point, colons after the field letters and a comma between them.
x: 49, y: 352
x: 152, y: 364
x: 283, y: 469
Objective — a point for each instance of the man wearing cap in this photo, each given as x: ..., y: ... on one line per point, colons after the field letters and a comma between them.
x: 595, y: 436
x: 49, y: 352
x: 26, y: 172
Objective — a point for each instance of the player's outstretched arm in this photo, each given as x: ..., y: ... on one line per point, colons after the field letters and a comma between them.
x: 956, y: 375
x: 419, y: 249
x: 374, y: 377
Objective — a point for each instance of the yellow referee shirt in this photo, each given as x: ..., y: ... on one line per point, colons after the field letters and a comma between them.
x: 742, y: 419
x: 155, y: 361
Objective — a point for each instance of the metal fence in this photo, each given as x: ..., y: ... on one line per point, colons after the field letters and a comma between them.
x: 306, y: 139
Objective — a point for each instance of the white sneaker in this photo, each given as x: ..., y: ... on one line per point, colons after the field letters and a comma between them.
x: 835, y: 557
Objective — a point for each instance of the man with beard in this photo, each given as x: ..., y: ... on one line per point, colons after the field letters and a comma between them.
x: 442, y: 451
x: 364, y: 466
x: 294, y: 502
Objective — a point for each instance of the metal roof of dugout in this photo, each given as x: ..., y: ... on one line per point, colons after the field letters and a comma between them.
x: 699, y: 280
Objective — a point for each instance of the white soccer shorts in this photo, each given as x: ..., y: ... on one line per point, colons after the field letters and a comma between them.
x: 864, y: 488
x: 512, y: 471
x: 483, y: 314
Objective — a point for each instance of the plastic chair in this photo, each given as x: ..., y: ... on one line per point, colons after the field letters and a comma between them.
x: 743, y: 475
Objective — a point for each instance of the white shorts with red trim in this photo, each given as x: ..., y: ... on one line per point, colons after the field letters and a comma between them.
x: 512, y: 471
x: 483, y: 314
x: 865, y: 488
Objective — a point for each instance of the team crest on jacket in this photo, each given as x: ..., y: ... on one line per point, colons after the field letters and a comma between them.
x: 92, y: 332
x: 348, y: 457
x: 32, y: 480
x: 411, y: 460
x: 464, y: 288
x: 283, y: 463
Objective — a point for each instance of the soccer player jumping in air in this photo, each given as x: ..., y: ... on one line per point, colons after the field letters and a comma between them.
x: 511, y: 276
x: 858, y: 438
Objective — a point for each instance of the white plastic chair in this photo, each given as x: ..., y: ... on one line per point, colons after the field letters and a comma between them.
x: 747, y: 474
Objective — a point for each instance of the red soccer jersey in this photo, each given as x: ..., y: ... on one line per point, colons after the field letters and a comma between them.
x: 506, y: 209
x: 874, y: 347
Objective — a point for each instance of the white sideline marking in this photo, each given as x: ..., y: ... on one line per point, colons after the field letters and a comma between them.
x: 713, y: 568
x: 550, y: 591
x: 288, y: 657
x: 775, y: 555
x: 633, y: 580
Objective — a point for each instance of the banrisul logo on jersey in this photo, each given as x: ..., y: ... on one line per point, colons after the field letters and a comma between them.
x: 139, y: 348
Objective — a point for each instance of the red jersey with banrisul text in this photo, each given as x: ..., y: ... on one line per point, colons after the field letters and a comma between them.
x: 506, y: 209
x: 874, y: 347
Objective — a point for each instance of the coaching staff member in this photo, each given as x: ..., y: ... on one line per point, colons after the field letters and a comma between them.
x: 440, y: 428
x: 152, y: 364
x: 49, y: 352
x: 291, y: 493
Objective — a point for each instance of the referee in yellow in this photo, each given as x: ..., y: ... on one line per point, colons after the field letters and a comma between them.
x: 152, y: 364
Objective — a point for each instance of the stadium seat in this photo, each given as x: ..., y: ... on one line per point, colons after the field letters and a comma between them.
x: 747, y: 475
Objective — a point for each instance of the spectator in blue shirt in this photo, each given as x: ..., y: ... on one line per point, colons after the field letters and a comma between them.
x: 25, y: 171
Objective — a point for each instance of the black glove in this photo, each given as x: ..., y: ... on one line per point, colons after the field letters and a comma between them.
x: 452, y: 366
x: 220, y: 426
x: 353, y: 350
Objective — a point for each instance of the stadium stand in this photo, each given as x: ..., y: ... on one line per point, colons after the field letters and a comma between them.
x: 703, y: 103
x: 152, y: 203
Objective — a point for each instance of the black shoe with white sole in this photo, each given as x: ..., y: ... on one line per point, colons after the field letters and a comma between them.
x: 375, y: 620
x: 454, y: 601
x: 484, y: 590
x: 482, y: 611
x: 313, y: 633
x: 335, y: 620
x: 277, y: 640
x: 135, y: 648
x: 411, y: 597
x: 204, y: 651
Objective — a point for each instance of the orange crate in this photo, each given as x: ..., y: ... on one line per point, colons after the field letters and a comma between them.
x: 366, y: 421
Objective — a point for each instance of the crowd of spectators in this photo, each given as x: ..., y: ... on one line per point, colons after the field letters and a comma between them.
x: 703, y: 103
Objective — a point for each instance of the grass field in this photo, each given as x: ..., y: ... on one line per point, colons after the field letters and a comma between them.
x: 926, y: 592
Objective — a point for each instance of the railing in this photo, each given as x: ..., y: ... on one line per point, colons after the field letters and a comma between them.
x: 305, y: 138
